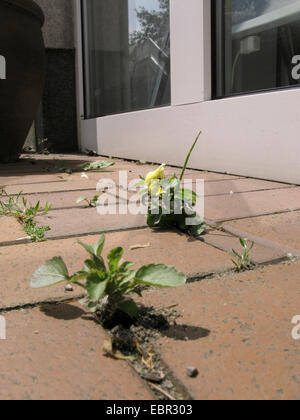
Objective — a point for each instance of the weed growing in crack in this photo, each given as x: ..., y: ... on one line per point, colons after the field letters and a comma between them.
x: 25, y: 213
x: 108, y: 285
x: 90, y: 203
x: 169, y: 205
x: 35, y: 232
x: 242, y: 261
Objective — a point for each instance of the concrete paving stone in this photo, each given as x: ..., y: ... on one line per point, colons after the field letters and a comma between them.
x: 52, y: 187
x: 57, y: 183
x: 259, y: 255
x: 63, y: 199
x: 245, y: 205
x: 32, y: 179
x: 29, y: 179
x: 235, y: 186
x: 10, y: 229
x: 56, y: 354
x: 108, y: 179
x: 237, y: 331
x: 283, y: 229
x: 19, y: 262
x: 241, y: 185
x: 189, y: 256
x: 74, y: 159
x: 70, y: 222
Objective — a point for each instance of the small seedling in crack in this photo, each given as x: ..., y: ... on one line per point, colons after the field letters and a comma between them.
x: 108, y: 285
x: 35, y: 232
x: 242, y: 261
x: 90, y: 203
x: 25, y: 213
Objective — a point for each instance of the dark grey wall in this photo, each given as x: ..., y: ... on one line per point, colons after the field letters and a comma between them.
x: 58, y: 123
x: 58, y: 28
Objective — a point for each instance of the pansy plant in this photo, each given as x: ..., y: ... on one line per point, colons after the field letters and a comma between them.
x: 170, y: 205
x: 109, y: 286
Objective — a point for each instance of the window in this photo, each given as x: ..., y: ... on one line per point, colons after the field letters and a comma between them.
x: 126, y: 55
x: 257, y: 45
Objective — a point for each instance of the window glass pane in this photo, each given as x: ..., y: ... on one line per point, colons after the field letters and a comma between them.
x: 257, y: 45
x: 126, y: 55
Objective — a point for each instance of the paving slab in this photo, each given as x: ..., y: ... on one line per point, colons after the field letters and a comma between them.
x: 10, y: 229
x: 29, y: 179
x: 260, y: 254
x: 52, y: 187
x: 109, y: 179
x: 64, y: 199
x: 77, y: 159
x: 283, y: 229
x: 76, y: 222
x: 229, y: 187
x: 56, y: 354
x: 237, y: 331
x: 241, y: 185
x: 245, y: 205
x: 18, y: 262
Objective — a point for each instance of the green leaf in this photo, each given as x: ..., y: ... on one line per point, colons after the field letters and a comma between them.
x: 81, y: 275
x: 160, y: 276
x: 100, y: 164
x: 53, y: 272
x: 80, y: 200
x: 198, y: 230
x: 98, y: 247
x: 128, y: 278
x: 129, y: 307
x: 243, y: 243
x: 188, y: 156
x: 114, y: 257
x: 126, y: 266
x: 235, y: 263
x: 95, y: 263
x: 140, y: 183
x: 96, y: 286
x: 92, y: 306
x: 236, y: 254
x: 88, y: 248
x: 153, y: 220
x: 188, y: 196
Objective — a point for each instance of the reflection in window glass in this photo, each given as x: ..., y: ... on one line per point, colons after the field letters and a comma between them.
x: 126, y: 55
x: 256, y: 45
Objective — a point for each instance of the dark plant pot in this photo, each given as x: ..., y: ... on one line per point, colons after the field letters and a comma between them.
x: 22, y: 46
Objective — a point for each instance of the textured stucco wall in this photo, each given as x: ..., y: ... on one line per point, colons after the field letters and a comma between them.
x: 58, y: 28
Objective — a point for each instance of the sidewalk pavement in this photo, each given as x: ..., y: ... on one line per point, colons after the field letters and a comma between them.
x: 235, y: 328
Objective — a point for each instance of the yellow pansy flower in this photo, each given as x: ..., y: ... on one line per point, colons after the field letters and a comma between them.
x: 153, y: 180
x: 158, y: 174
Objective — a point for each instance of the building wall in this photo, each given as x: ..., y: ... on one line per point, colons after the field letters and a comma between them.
x: 58, y: 114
